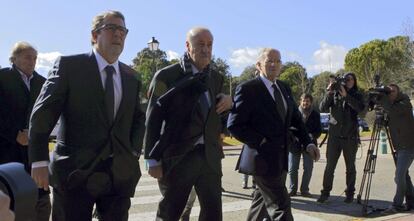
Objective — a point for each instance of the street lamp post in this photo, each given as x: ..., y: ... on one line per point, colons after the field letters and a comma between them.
x: 153, y: 47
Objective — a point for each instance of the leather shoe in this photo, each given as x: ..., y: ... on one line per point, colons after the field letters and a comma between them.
x: 306, y: 194
x: 322, y: 198
x: 349, y: 199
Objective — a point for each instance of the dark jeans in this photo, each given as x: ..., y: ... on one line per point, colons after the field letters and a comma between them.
x: 270, y: 200
x: 294, y: 160
x: 402, y: 179
x: 349, y: 147
x: 176, y: 186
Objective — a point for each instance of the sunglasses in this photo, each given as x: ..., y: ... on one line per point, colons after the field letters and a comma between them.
x: 113, y: 28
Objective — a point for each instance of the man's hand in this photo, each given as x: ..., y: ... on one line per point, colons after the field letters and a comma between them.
x: 156, y: 171
x: 224, y: 103
x: 41, y: 177
x: 342, y: 91
x: 23, y: 137
x: 313, y: 151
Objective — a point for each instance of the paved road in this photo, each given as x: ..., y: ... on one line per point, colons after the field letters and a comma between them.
x: 236, y: 201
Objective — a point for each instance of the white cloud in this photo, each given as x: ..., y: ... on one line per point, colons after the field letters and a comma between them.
x: 328, y: 58
x: 172, y: 55
x: 45, y: 61
x: 240, y: 58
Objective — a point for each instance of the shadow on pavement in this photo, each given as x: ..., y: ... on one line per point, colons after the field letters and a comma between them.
x: 336, y: 205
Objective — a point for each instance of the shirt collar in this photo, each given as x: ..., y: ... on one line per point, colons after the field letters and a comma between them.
x: 266, y: 81
x: 102, y: 63
x: 194, y: 69
x: 23, y: 75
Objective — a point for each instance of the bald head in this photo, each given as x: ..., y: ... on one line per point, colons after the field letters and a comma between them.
x: 194, y: 32
x: 199, y: 44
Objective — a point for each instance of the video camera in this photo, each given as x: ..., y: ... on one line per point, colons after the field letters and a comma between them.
x: 376, y: 93
x: 337, y: 82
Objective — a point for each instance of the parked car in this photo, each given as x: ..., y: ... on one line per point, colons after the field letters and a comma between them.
x: 325, y: 122
x: 363, y: 126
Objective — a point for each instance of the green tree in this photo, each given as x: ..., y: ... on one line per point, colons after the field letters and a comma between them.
x: 146, y: 63
x: 294, y: 74
x: 248, y: 73
x: 220, y: 65
x: 390, y: 59
x: 320, y: 83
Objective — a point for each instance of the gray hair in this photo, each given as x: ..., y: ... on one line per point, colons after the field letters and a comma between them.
x: 18, y: 48
x: 263, y: 53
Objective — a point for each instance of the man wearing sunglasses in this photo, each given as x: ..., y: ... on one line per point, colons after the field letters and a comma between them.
x: 97, y: 99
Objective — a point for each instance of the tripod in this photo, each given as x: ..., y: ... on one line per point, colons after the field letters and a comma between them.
x: 381, y: 122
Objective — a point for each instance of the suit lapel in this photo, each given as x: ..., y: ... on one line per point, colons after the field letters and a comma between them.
x: 288, y: 100
x: 19, y: 80
x: 94, y: 78
x: 126, y: 87
x: 268, y: 101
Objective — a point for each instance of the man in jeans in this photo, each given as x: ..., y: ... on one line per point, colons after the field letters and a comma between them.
x: 401, y: 124
x: 312, y: 120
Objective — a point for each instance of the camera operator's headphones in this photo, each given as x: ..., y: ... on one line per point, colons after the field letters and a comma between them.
x: 20, y: 187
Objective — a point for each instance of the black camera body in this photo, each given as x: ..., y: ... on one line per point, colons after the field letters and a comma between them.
x: 376, y: 93
x: 337, y: 82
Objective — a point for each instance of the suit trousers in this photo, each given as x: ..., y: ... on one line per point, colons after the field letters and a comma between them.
x: 175, y: 187
x: 77, y: 203
x: 270, y: 200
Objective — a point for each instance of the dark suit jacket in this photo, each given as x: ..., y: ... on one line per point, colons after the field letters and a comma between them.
x: 313, y: 125
x: 16, y: 103
x: 183, y: 109
x: 255, y: 117
x: 74, y: 92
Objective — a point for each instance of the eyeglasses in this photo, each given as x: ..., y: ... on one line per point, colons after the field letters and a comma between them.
x: 113, y: 28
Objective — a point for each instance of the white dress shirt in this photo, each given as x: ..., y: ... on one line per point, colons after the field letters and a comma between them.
x: 269, y: 87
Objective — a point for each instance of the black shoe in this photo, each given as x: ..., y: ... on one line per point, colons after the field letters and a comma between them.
x: 322, y: 198
x: 349, y: 199
x: 293, y: 193
x: 245, y: 186
x: 306, y: 194
x: 254, y: 186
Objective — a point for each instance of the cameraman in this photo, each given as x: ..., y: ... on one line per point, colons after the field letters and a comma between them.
x: 344, y: 101
x: 401, y: 125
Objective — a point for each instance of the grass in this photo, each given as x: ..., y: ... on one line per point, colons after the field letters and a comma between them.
x: 231, y: 141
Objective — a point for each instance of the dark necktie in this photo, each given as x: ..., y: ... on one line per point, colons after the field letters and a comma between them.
x: 203, y: 100
x: 279, y: 101
x: 109, y: 92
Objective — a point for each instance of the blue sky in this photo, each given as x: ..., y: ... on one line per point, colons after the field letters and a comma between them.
x: 316, y: 33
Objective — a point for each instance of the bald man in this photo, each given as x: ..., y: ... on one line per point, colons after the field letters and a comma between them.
x: 182, y: 135
x: 263, y: 112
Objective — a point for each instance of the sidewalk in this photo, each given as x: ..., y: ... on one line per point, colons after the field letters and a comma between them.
x: 381, y: 195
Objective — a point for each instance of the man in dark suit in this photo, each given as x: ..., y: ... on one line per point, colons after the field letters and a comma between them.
x: 183, y: 131
x: 99, y: 140
x: 263, y: 111
x: 19, y: 87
